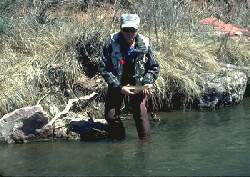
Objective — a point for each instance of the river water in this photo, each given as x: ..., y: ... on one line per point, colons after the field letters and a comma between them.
x: 182, y: 144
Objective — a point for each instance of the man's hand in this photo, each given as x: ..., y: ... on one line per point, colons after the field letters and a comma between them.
x: 131, y: 90
x: 148, y: 89
x: 128, y: 90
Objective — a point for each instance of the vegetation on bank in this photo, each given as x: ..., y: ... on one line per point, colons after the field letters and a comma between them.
x: 48, y: 47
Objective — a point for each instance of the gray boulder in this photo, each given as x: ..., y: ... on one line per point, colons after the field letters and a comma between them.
x: 226, y: 87
x: 23, y: 125
x: 80, y: 127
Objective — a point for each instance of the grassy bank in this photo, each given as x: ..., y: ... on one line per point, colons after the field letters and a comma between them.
x: 46, y: 45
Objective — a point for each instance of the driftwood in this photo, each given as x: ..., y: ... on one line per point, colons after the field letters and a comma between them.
x: 87, y: 99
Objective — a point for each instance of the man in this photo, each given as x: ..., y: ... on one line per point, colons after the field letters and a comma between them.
x: 127, y: 61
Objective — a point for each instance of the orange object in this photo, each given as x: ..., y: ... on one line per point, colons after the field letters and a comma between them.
x: 229, y: 29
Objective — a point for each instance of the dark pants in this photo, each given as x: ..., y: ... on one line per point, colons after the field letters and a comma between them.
x: 113, y: 104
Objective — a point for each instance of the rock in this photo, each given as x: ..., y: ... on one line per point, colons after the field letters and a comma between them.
x: 22, y: 124
x: 45, y: 133
x: 224, y: 88
x: 76, y: 126
x: 89, y: 129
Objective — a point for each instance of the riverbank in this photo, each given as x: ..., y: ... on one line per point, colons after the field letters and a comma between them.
x: 50, y: 52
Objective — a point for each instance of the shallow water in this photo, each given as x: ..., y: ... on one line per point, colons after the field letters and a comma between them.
x: 182, y: 144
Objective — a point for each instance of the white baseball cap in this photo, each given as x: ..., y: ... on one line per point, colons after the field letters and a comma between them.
x: 130, y: 21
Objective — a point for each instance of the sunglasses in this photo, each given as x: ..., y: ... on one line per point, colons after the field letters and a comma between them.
x: 129, y: 30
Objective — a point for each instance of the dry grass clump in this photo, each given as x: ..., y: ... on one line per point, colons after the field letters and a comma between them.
x: 186, y: 49
x: 186, y: 56
x: 37, y: 58
x: 182, y: 60
x: 27, y: 53
x: 231, y: 51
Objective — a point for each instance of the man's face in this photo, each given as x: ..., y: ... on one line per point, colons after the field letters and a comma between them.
x: 129, y: 34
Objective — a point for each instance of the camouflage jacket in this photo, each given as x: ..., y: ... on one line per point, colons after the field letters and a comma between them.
x: 111, y: 68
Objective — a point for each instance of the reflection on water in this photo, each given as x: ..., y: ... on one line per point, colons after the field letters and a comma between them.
x: 182, y: 143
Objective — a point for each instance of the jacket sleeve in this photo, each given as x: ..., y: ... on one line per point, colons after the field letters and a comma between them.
x: 152, y: 68
x: 105, y: 66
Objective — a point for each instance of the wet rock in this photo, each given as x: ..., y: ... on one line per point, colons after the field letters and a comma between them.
x: 75, y: 126
x: 45, y: 133
x: 224, y: 88
x: 22, y: 124
x: 89, y: 129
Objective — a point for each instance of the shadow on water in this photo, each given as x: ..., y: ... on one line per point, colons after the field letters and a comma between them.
x: 182, y: 144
